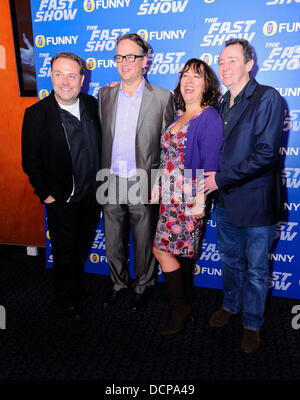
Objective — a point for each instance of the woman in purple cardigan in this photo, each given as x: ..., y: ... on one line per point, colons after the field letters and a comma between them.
x: 191, y: 145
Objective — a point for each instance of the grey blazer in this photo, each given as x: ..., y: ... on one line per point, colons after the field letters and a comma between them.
x: 157, y: 112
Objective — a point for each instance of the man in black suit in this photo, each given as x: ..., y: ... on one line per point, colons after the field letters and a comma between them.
x: 60, y: 155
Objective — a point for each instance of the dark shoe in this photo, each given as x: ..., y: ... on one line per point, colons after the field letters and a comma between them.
x: 219, y: 318
x: 71, y: 312
x: 112, y: 297
x: 138, y: 301
x: 178, y: 321
x: 250, y: 341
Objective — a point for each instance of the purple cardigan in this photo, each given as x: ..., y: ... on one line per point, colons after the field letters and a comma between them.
x: 203, y: 141
x: 204, y: 138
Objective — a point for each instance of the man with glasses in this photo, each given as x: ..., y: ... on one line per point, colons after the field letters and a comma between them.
x: 133, y: 114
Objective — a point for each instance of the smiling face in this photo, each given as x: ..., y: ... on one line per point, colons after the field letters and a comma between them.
x: 192, y: 86
x: 233, y: 70
x: 130, y: 72
x: 66, y: 80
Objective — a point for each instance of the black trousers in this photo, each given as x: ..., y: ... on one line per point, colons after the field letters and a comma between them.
x: 72, y: 228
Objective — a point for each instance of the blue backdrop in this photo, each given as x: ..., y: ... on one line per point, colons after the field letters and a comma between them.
x: 176, y: 31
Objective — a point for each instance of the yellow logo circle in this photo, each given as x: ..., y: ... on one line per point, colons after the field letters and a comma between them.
x: 89, y: 5
x: 143, y: 33
x: 40, y: 41
x: 43, y: 93
x: 94, y: 258
x: 270, y: 28
x: 196, y: 270
x: 207, y: 58
x: 90, y: 63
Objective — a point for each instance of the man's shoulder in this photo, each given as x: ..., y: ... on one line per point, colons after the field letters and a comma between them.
x: 107, y: 93
x: 267, y: 95
x: 87, y: 98
x: 265, y: 91
x: 41, y: 104
x: 159, y: 89
x: 109, y: 89
x: 266, y: 88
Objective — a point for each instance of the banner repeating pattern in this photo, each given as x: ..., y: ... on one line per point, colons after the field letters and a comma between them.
x: 177, y: 30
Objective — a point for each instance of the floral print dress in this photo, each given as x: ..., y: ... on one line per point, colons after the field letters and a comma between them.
x: 176, y: 233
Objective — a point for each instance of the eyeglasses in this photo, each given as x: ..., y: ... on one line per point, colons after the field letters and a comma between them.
x: 129, y: 58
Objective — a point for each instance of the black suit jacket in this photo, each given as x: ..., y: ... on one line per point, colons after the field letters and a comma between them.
x: 249, y: 162
x: 46, y: 157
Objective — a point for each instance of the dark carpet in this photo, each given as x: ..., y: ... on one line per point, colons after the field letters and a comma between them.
x: 116, y: 345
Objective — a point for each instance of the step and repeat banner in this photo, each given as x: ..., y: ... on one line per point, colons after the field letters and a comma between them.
x: 176, y: 31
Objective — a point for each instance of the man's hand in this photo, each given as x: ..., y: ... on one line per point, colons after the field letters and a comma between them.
x: 113, y: 84
x: 210, y: 182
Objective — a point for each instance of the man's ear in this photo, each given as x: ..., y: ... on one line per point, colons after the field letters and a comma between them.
x: 249, y: 65
x: 82, y: 79
x: 145, y: 60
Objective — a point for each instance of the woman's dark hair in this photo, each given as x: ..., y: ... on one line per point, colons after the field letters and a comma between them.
x: 211, y: 93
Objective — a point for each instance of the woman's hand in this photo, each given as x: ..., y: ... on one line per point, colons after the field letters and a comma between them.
x: 155, y: 195
x: 197, y: 212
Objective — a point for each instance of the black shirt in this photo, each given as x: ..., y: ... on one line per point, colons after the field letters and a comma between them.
x: 84, y: 154
x: 228, y: 112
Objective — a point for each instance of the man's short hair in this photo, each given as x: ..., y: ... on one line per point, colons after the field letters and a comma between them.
x: 136, y: 39
x: 247, y: 49
x: 69, y: 56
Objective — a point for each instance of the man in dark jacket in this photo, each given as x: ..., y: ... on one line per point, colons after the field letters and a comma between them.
x: 60, y: 155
